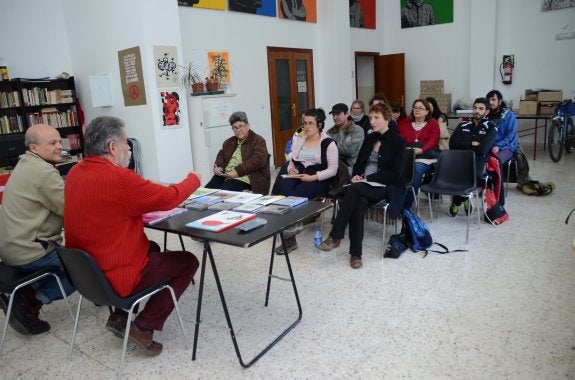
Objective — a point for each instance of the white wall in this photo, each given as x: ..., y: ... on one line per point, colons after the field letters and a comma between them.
x: 82, y: 37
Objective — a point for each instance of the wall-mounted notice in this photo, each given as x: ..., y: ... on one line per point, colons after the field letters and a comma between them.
x: 131, y: 78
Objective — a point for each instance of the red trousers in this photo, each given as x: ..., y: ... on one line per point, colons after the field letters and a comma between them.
x: 178, y: 267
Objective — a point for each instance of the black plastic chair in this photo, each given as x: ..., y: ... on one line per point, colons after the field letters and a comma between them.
x: 11, y: 281
x: 92, y: 284
x: 454, y: 175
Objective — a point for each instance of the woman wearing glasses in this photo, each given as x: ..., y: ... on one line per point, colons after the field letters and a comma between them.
x: 420, y: 132
x: 242, y: 163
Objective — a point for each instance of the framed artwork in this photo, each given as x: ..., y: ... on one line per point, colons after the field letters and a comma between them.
x: 551, y: 5
x: 300, y: 10
x: 165, y: 63
x: 258, y: 7
x: 210, y: 4
x: 362, y: 14
x: 170, y: 109
x: 425, y: 12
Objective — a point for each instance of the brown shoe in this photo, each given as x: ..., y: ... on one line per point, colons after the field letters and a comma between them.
x: 329, y: 244
x: 117, y: 325
x: 355, y: 262
x: 144, y: 340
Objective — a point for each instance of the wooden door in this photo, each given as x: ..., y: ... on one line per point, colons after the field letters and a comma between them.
x: 290, y: 73
x: 390, y: 77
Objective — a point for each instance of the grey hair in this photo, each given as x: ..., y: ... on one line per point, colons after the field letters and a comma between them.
x: 238, y: 116
x: 100, y: 132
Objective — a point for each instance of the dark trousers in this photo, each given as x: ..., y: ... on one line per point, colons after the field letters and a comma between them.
x: 352, y: 211
x: 503, y: 156
x: 223, y: 183
x: 276, y: 187
x: 179, y: 268
x: 297, y: 188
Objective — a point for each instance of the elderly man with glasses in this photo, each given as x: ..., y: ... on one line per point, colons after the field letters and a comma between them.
x: 242, y: 163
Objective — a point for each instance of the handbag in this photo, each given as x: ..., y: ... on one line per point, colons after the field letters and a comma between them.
x: 396, y: 245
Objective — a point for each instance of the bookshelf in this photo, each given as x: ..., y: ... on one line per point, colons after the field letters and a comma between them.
x: 25, y: 102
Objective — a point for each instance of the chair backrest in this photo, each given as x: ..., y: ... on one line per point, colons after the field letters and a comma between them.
x: 87, y: 277
x: 456, y: 167
x: 409, y: 166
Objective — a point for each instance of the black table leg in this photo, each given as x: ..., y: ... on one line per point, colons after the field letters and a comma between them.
x: 200, y: 294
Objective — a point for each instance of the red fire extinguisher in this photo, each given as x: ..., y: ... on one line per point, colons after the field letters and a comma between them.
x: 506, y: 72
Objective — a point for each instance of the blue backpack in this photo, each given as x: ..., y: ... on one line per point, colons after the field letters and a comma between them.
x: 416, y: 231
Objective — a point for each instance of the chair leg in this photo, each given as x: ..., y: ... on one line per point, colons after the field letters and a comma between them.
x: 4, y: 330
x: 383, y: 243
x: 75, y: 326
x: 63, y: 294
x: 179, y: 316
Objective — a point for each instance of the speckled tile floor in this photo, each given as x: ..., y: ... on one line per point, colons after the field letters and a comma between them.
x: 503, y: 310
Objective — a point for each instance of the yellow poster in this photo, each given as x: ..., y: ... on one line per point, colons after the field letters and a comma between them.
x: 210, y: 4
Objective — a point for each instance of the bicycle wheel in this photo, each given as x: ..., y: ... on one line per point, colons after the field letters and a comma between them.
x: 570, y: 138
x: 554, y: 143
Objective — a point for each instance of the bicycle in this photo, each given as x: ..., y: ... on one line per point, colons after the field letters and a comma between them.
x: 562, y: 133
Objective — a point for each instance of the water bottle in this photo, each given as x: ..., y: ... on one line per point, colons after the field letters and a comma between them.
x: 317, y: 240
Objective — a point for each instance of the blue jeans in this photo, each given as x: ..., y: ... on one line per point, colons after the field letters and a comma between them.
x: 420, y: 170
x: 47, y: 289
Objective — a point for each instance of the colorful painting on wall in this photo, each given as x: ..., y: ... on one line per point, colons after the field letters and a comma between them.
x: 425, y: 12
x: 219, y: 65
x: 258, y: 7
x: 362, y: 14
x: 551, y: 5
x: 165, y: 62
x: 300, y: 10
x: 170, y: 108
x: 210, y: 4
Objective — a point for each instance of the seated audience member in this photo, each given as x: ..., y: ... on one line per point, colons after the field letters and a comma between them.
x: 477, y: 135
x: 381, y: 159
x: 506, y: 141
x: 242, y: 163
x: 441, y: 118
x: 397, y: 113
x: 104, y: 204
x: 359, y: 117
x: 314, y: 162
x: 31, y: 226
x: 420, y: 132
x: 288, y: 152
x: 348, y: 135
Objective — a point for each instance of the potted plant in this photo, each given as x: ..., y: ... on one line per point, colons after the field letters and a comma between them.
x: 191, y: 78
x: 218, y: 73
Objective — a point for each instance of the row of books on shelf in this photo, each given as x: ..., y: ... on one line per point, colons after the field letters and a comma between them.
x: 9, y: 99
x: 72, y: 142
x: 37, y: 96
x: 235, y: 208
x: 11, y: 124
x: 53, y: 117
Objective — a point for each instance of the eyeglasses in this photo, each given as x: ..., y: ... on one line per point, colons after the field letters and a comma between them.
x: 419, y: 109
x: 239, y: 127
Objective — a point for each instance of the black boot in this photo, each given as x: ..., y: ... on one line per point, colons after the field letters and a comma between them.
x: 291, y: 245
x: 25, y: 311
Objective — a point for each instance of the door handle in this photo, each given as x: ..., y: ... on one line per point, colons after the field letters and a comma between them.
x: 293, y: 109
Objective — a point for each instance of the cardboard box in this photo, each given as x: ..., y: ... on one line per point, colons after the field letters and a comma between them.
x: 547, y: 108
x: 550, y: 96
x: 527, y: 107
x: 431, y: 87
x: 530, y: 95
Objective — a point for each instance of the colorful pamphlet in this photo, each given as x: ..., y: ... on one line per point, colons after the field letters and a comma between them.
x: 226, y: 194
x: 244, y: 198
x: 157, y: 216
x: 248, y: 207
x: 221, y: 221
x: 201, y: 191
x: 268, y: 199
x: 222, y: 206
x: 291, y: 201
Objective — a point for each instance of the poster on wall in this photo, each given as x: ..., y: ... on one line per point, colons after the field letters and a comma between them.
x: 219, y: 66
x: 170, y: 101
x: 300, y: 10
x: 551, y: 5
x: 165, y: 63
x: 133, y: 89
x: 425, y: 12
x: 210, y: 4
x: 362, y: 14
x: 258, y: 7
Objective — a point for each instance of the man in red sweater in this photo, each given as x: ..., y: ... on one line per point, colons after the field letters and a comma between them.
x: 103, y: 207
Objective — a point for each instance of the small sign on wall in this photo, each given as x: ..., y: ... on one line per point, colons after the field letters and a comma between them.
x: 131, y: 77
x: 100, y: 90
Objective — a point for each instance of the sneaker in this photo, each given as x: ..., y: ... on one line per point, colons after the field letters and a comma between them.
x: 291, y: 245
x: 468, y: 207
x: 453, y: 210
x: 116, y: 324
x: 355, y: 262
